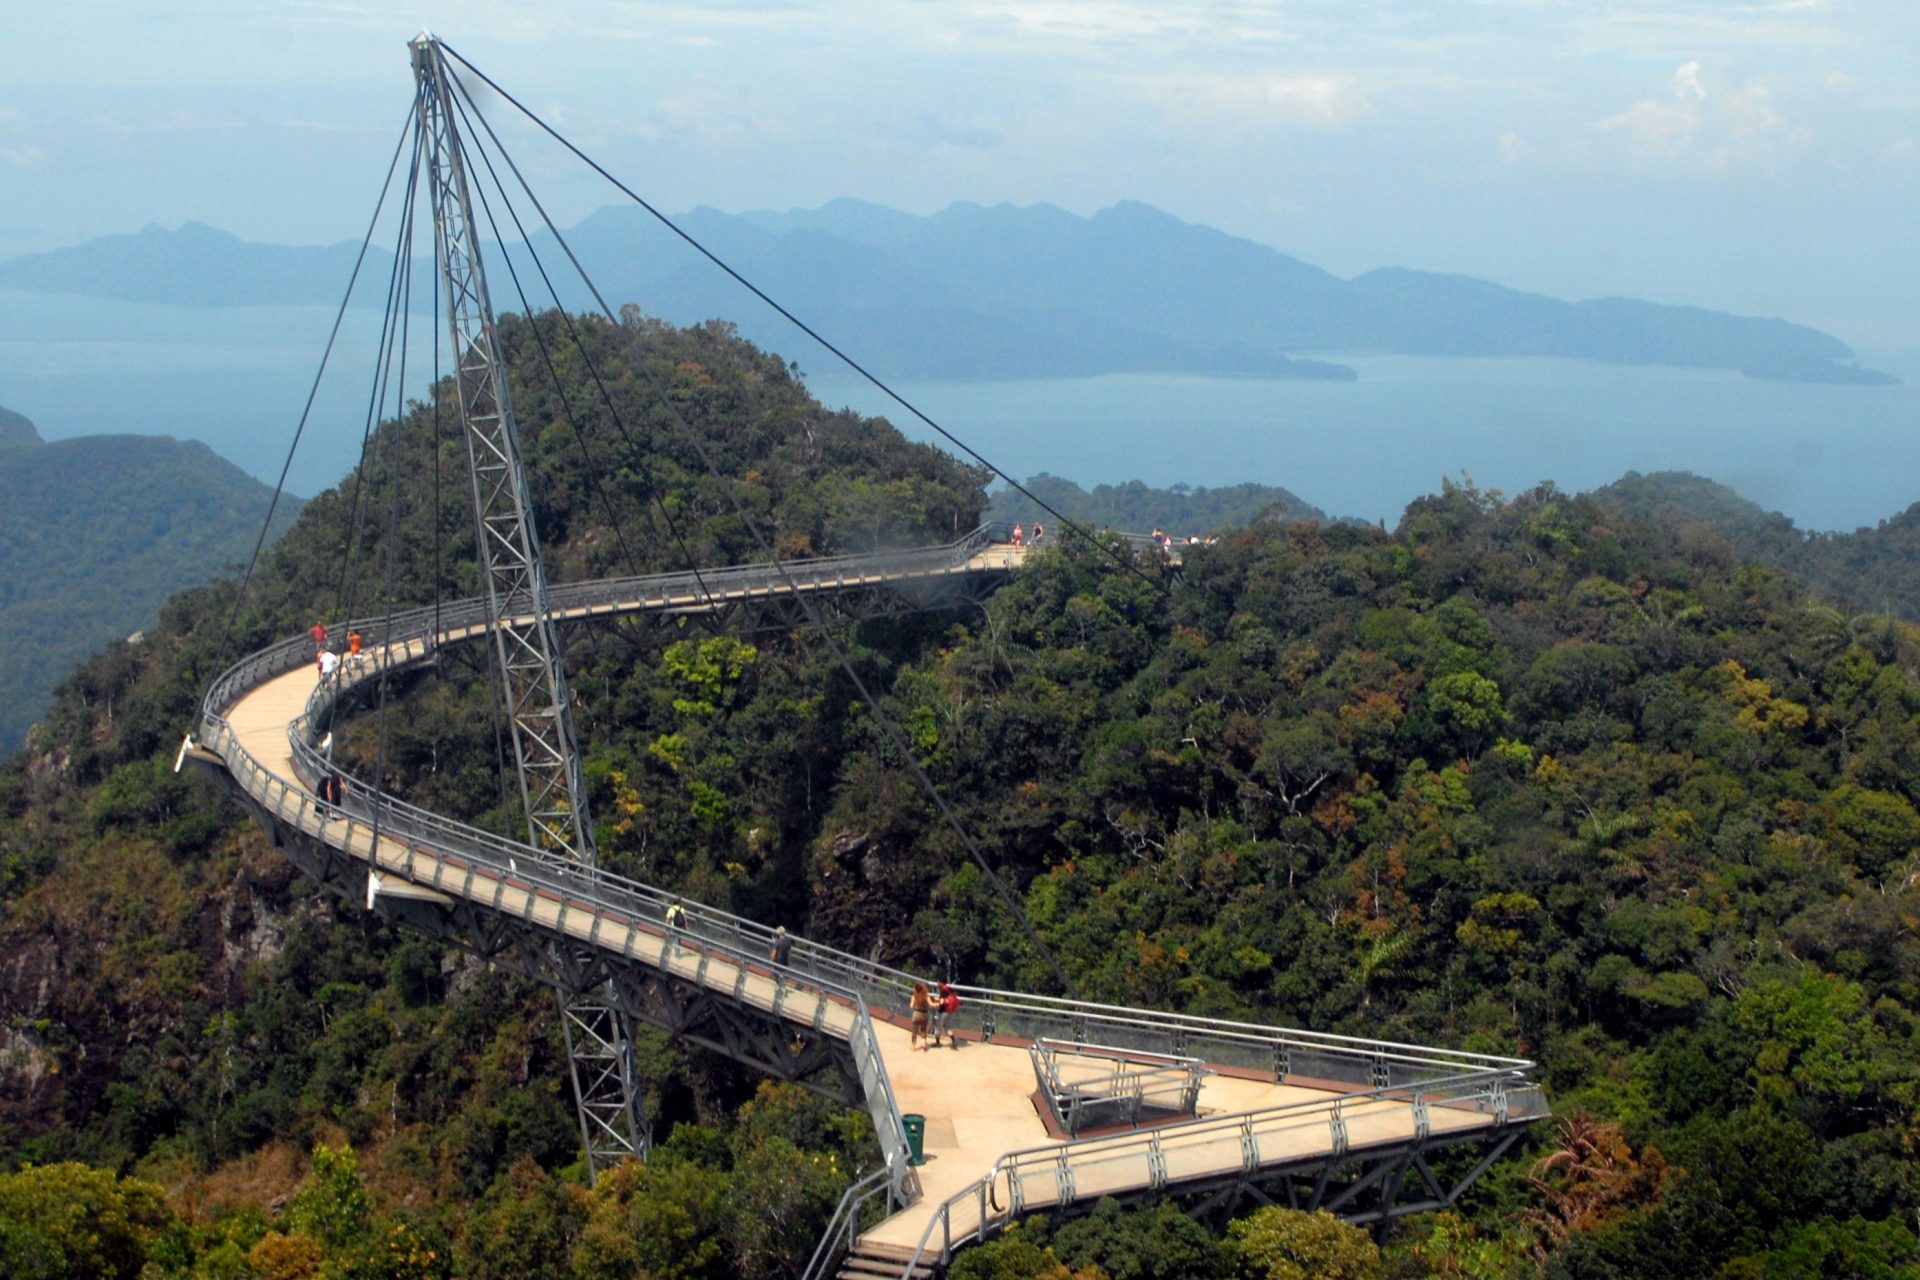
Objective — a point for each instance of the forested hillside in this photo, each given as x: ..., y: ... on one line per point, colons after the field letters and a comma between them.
x: 1133, y: 507
x: 1867, y: 571
x: 95, y: 532
x: 1524, y: 776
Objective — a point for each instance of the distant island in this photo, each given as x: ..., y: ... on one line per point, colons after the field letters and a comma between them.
x: 1001, y: 293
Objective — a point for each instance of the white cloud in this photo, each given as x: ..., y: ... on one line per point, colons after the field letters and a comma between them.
x: 1686, y: 82
x: 1702, y: 124
x: 1100, y: 20
x: 176, y: 120
x: 1317, y: 99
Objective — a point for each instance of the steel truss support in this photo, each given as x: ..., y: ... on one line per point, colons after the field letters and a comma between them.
x: 635, y: 991
x: 553, y: 791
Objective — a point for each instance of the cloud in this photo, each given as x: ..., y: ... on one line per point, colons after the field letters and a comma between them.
x: 1315, y: 99
x: 1686, y: 82
x: 945, y: 133
x: 1099, y: 20
x: 177, y: 120
x: 1701, y: 124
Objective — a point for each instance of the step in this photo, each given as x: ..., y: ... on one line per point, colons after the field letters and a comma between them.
x: 883, y: 1262
x: 871, y: 1269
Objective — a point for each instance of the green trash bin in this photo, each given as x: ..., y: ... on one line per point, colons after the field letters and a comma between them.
x: 916, y: 1130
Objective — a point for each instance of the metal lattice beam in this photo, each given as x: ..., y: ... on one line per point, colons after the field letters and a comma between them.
x: 546, y: 754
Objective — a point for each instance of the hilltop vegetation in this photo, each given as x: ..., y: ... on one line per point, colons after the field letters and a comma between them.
x: 1133, y: 507
x: 16, y: 430
x: 95, y: 532
x: 1873, y: 570
x: 1526, y: 776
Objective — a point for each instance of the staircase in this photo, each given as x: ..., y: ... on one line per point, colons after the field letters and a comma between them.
x: 871, y: 1260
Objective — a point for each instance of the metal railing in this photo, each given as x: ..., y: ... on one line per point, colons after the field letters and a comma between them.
x: 849, y: 1219
x: 1279, y: 1053
x: 1368, y: 1067
x: 1087, y: 1085
x: 1304, y: 1133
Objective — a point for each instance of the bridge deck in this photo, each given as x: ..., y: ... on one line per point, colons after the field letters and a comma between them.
x: 979, y: 1100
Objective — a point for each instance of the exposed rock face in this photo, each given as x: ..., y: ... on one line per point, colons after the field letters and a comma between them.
x: 81, y: 980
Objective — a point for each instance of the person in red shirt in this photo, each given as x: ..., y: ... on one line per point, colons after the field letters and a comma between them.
x: 944, y: 1006
x: 319, y: 634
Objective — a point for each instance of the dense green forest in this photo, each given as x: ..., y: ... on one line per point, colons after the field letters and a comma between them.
x: 95, y: 532
x: 1872, y: 569
x: 1179, y: 510
x: 1525, y: 775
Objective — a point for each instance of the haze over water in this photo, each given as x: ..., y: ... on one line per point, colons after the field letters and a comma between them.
x: 1829, y: 457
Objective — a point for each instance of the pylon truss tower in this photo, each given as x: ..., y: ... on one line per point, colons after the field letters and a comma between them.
x: 526, y: 646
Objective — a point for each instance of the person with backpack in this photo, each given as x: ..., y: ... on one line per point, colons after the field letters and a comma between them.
x: 945, y: 1005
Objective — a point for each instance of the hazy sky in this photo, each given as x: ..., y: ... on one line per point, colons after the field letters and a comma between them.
x: 1754, y: 157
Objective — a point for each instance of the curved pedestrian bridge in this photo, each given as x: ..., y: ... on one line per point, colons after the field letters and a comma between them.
x: 1035, y: 1103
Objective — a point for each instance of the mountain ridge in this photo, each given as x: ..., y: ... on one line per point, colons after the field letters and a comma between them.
x: 95, y: 533
x: 984, y: 292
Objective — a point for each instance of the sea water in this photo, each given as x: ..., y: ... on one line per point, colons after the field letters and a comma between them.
x: 1831, y: 457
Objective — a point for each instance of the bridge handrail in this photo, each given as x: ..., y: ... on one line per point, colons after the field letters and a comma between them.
x: 845, y: 1221
x: 1282, y: 1052
x: 592, y: 889
x: 1473, y: 1090
x: 458, y: 615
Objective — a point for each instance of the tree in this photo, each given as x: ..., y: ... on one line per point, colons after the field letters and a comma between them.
x: 69, y: 1221
x: 1288, y: 1244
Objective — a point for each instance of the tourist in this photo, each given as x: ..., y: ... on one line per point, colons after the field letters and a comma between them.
x: 921, y: 1006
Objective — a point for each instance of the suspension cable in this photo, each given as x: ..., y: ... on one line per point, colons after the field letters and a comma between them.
x: 393, y: 329
x: 389, y: 453
x: 606, y: 397
x: 313, y: 391
x: 546, y: 357
x: 891, y: 731
x: 1112, y: 553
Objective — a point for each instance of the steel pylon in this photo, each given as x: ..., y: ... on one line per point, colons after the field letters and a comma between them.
x: 546, y: 753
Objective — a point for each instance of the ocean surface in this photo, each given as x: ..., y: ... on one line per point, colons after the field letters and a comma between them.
x: 1831, y: 457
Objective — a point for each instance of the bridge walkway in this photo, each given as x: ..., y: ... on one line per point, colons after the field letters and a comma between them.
x: 1274, y: 1098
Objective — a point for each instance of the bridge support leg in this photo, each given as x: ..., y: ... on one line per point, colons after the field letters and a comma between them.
x: 605, y: 1088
